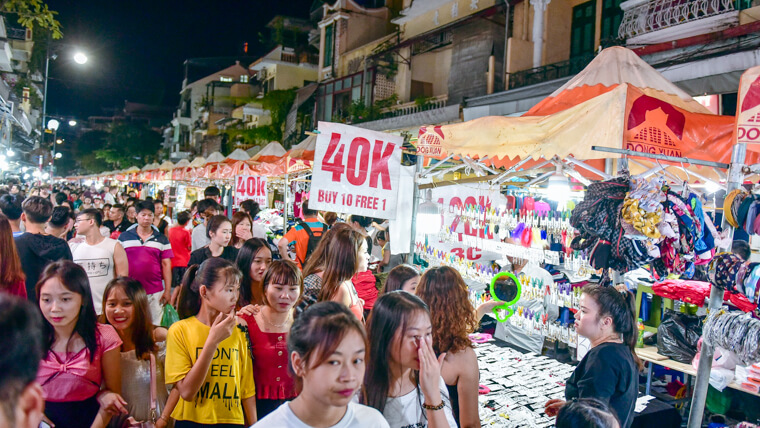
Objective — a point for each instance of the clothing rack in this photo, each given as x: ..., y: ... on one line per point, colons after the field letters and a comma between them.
x: 735, y: 179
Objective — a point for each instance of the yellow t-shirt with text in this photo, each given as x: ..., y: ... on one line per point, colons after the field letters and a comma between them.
x: 228, y: 381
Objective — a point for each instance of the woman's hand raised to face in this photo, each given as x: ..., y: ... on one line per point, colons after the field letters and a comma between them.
x: 222, y: 327
x: 430, y: 371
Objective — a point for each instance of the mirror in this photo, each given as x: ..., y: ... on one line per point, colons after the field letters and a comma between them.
x: 505, y: 287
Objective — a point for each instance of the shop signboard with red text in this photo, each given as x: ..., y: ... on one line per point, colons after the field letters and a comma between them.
x: 251, y: 187
x: 356, y: 171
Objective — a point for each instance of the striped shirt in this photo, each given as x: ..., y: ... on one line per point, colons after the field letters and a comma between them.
x: 145, y: 257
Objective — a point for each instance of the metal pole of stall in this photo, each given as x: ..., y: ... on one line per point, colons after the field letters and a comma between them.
x: 285, y: 209
x: 699, y: 396
x: 230, y: 199
x: 415, y: 204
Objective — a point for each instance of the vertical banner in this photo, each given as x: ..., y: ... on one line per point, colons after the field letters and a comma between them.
x: 356, y: 171
x: 181, y: 197
x: 251, y: 187
x: 748, y: 108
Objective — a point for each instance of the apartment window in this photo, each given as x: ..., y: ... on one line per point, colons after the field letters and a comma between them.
x: 582, y: 32
x: 225, y: 79
x: 243, y: 78
x: 335, y: 97
x: 612, y: 16
x: 329, y: 43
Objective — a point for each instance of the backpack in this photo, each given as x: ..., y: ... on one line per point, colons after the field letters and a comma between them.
x: 313, y: 239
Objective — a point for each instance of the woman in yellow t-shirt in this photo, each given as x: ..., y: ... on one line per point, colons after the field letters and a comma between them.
x: 207, y: 357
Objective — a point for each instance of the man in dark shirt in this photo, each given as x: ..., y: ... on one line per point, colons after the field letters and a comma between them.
x: 117, y: 221
x: 36, y: 248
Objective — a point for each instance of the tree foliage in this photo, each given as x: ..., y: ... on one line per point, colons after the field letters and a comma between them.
x: 33, y: 13
x: 129, y: 143
x: 278, y: 103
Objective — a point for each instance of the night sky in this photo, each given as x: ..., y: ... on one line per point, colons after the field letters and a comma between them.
x: 137, y: 47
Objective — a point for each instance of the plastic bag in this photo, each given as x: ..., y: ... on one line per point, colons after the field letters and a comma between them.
x: 169, y: 317
x: 678, y: 335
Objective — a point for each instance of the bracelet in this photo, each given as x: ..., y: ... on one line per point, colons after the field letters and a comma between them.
x: 429, y: 407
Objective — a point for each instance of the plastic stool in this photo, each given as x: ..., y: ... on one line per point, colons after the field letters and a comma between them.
x: 655, y: 309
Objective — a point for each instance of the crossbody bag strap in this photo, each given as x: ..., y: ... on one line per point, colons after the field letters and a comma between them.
x: 306, y: 227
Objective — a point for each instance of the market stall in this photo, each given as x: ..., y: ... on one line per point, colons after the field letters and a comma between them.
x: 641, y: 115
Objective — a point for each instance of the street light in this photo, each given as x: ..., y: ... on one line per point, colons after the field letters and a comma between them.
x: 72, y: 122
x: 80, y: 58
x: 58, y: 155
x: 53, y: 126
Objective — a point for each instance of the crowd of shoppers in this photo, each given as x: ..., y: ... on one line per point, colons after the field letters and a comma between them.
x: 294, y: 332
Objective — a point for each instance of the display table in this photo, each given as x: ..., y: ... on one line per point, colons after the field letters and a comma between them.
x: 649, y: 354
x: 520, y: 383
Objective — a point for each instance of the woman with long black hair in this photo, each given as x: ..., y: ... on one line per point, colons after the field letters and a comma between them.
x: 253, y: 259
x: 403, y: 377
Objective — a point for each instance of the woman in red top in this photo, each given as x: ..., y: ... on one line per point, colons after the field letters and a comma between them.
x: 268, y: 334
x: 12, y: 279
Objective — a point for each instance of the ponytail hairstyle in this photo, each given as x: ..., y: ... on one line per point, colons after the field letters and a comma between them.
x: 142, y: 324
x: 73, y: 278
x: 317, y: 333
x: 387, y: 323
x: 208, y: 273
x: 341, y: 262
x: 620, y: 306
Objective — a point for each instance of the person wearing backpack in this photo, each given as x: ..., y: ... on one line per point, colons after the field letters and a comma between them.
x: 302, y: 238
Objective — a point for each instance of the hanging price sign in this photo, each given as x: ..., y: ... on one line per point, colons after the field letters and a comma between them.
x: 356, y: 171
x: 251, y: 187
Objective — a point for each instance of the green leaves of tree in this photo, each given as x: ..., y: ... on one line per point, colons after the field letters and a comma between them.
x: 33, y: 12
x: 130, y: 143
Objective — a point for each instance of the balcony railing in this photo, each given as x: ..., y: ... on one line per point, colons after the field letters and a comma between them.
x: 549, y: 72
x: 431, y: 103
x: 303, y: 58
x: 656, y: 15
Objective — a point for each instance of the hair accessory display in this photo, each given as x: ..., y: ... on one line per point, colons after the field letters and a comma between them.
x: 734, y: 331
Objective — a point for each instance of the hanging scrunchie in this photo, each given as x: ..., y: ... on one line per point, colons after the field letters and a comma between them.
x: 727, y: 205
x: 644, y: 222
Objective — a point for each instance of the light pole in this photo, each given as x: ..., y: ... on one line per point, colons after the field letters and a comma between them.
x: 53, y: 126
x: 80, y: 58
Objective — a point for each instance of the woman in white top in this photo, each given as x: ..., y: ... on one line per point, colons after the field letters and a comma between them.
x: 327, y: 344
x: 403, y: 378
x: 125, y: 307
